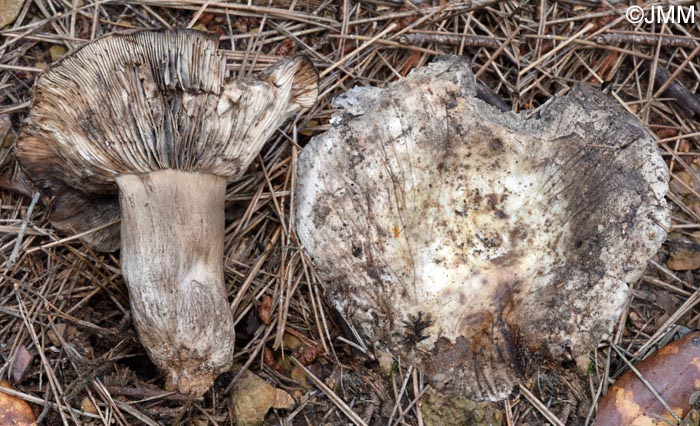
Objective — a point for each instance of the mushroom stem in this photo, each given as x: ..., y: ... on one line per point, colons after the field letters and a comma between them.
x: 172, y: 260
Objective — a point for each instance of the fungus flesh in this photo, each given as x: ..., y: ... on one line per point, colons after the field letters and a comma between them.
x: 465, y: 239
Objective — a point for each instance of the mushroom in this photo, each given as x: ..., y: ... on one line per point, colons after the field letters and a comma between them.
x: 150, y: 116
x: 470, y: 241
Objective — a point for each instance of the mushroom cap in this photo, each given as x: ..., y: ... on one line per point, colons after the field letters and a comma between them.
x: 465, y: 239
x: 147, y: 101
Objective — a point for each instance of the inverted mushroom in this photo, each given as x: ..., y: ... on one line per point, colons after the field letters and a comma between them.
x: 465, y: 239
x: 149, y: 115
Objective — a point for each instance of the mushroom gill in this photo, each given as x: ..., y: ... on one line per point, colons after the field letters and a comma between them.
x: 465, y: 239
x: 145, y: 127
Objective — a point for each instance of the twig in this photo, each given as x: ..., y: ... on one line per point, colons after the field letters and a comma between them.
x: 330, y: 394
x: 556, y: 49
x: 675, y: 90
x: 646, y: 382
x: 540, y: 406
x: 670, y: 322
x: 508, y: 412
x: 397, y: 403
x: 40, y: 401
x: 18, y: 242
x: 646, y: 39
x: 351, y: 343
x: 450, y: 40
x: 364, y: 46
x: 72, y: 237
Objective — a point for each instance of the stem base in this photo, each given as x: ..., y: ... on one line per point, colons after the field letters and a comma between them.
x: 172, y: 246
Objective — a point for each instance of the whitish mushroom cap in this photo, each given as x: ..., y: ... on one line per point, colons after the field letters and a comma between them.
x: 465, y: 239
x: 147, y: 101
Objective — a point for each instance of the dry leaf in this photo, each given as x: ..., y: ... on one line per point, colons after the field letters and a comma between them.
x: 57, y: 52
x: 683, y: 183
x: 253, y: 397
x: 9, y: 9
x: 14, y: 411
x: 270, y: 361
x: 673, y: 371
x: 444, y: 410
x: 265, y: 309
x: 87, y: 406
x: 299, y: 376
x: 684, y: 259
x: 7, y: 133
x: 306, y: 354
x: 664, y: 300
x: 291, y: 342
x: 56, y: 333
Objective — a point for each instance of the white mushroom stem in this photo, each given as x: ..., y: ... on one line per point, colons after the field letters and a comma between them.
x: 172, y: 260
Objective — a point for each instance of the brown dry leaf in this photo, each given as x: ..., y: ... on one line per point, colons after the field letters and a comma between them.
x: 299, y: 376
x: 291, y: 342
x: 306, y: 354
x: 253, y: 397
x: 87, y: 405
x: 692, y: 419
x: 265, y: 309
x: 7, y: 133
x: 444, y: 410
x: 14, y: 411
x: 56, y: 334
x: 57, y: 52
x: 673, y: 371
x: 286, y: 48
x: 9, y: 9
x: 270, y: 361
x: 309, y: 129
x: 683, y: 183
x: 684, y: 259
x: 664, y: 300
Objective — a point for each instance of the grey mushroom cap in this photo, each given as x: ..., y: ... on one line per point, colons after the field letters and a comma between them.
x: 465, y: 239
x: 145, y: 101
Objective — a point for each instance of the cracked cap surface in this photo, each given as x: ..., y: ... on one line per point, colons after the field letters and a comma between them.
x: 463, y: 238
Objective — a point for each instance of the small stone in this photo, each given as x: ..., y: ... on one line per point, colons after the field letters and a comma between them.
x: 21, y: 364
x: 583, y: 363
x: 386, y: 361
